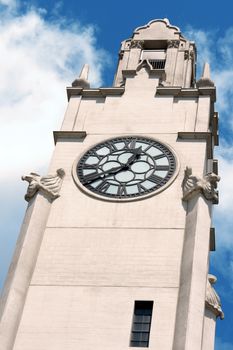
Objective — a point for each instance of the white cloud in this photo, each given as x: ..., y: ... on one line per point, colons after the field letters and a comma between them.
x: 8, y: 2
x: 38, y: 60
x: 8, y: 6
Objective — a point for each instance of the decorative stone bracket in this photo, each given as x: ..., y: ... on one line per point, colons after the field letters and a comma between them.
x: 49, y: 185
x: 212, y: 300
x: 137, y: 44
x: 189, y: 55
x: 173, y: 44
x: 192, y: 185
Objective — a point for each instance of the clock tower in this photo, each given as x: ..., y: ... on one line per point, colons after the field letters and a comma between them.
x: 114, y: 248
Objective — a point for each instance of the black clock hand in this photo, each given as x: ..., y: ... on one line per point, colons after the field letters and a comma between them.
x: 135, y: 155
x: 95, y: 176
x: 115, y: 170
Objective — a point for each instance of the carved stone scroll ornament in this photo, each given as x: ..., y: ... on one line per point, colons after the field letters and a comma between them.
x: 212, y: 300
x: 144, y: 64
x: 192, y: 185
x: 189, y: 55
x: 49, y: 185
x: 137, y: 44
x: 173, y: 44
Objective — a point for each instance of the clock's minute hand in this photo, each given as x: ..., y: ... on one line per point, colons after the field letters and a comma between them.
x: 135, y: 155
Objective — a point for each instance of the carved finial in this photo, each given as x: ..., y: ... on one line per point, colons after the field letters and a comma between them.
x: 82, y: 81
x: 192, y: 185
x: 205, y: 80
x: 212, y: 300
x: 49, y: 185
x: 167, y: 21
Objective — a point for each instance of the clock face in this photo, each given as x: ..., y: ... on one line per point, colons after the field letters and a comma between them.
x: 126, y: 167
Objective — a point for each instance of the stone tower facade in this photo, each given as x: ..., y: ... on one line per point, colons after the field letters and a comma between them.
x: 114, y: 248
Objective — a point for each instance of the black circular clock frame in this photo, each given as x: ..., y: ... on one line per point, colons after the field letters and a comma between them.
x: 126, y: 167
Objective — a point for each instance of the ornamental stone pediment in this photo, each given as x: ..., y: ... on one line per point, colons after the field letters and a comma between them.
x: 158, y: 29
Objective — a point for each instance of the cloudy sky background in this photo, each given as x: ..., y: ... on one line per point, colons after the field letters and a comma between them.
x: 43, y: 45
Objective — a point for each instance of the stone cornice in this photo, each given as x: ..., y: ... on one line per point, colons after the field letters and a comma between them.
x: 187, y: 92
x: 100, y: 92
x: 69, y: 135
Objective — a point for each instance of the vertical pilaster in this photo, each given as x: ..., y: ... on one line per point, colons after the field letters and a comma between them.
x: 178, y: 77
x: 71, y: 113
x: 171, y: 57
x: 194, y: 269
x: 21, y: 269
x: 135, y: 53
x: 189, y: 57
x: 209, y: 330
x: 40, y: 194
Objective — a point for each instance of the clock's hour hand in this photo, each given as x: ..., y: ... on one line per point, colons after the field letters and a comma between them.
x: 92, y: 177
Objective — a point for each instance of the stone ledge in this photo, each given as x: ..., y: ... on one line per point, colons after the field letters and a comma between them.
x: 187, y: 92
x: 69, y: 135
x: 101, y: 92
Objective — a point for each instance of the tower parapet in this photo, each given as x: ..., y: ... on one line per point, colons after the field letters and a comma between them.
x: 167, y: 53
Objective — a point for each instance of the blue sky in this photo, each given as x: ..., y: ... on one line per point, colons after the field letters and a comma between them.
x: 43, y: 46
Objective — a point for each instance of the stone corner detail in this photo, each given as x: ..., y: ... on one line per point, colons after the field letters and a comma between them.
x: 212, y: 300
x: 192, y: 185
x: 49, y: 185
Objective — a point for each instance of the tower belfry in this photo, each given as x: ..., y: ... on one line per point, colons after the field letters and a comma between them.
x: 114, y: 248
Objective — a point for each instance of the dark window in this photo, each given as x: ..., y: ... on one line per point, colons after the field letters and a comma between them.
x: 141, y: 324
x: 157, y: 64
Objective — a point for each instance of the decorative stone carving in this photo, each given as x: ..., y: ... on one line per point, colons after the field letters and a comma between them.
x: 189, y: 55
x: 192, y: 185
x: 121, y: 54
x: 192, y: 55
x: 49, y: 185
x: 137, y: 44
x: 186, y: 54
x: 173, y: 44
x: 212, y: 300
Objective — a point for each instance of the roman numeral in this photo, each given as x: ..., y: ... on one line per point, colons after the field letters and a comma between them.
x: 132, y: 144
x: 103, y: 186
x: 94, y: 154
x: 112, y: 147
x: 159, y: 156
x: 162, y: 167
x: 89, y: 166
x: 155, y: 178
x: 91, y: 176
x: 141, y: 188
x: 121, y: 190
